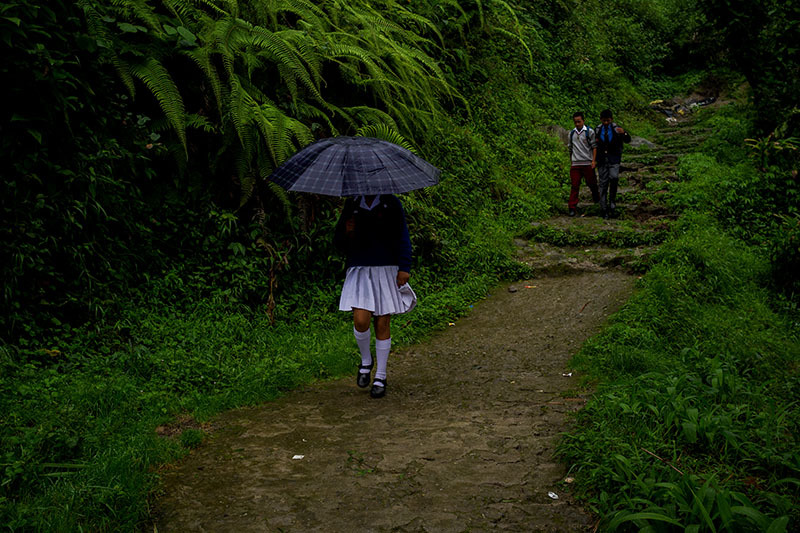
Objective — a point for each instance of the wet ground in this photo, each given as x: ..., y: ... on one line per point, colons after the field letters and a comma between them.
x: 464, y: 439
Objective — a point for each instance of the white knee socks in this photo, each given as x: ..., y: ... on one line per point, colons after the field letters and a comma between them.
x: 362, y: 339
x: 382, y: 348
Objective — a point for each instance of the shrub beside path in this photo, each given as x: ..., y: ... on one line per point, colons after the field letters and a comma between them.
x: 465, y: 438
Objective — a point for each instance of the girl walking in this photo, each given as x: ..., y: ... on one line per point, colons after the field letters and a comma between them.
x: 373, y: 234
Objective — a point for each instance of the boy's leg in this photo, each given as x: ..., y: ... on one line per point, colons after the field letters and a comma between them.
x: 613, y: 179
x: 603, y: 186
x: 591, y: 181
x: 575, y: 179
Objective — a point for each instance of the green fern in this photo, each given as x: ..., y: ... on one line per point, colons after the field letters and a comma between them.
x: 281, y: 194
x: 386, y: 133
x: 125, y: 75
x: 139, y: 11
x: 203, y: 59
x: 261, y: 65
x: 157, y: 79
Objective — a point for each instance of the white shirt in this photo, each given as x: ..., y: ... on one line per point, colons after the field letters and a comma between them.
x: 375, y: 202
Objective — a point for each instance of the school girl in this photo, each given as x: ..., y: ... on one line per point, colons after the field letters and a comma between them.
x: 373, y: 234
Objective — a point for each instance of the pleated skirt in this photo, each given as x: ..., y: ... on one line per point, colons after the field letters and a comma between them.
x: 373, y: 288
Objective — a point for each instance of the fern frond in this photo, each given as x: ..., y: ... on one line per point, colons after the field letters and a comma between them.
x: 521, y: 40
x: 241, y: 164
x: 200, y: 122
x: 422, y: 22
x: 95, y: 22
x: 454, y: 3
x: 289, y: 81
x: 254, y: 92
x: 161, y: 85
x: 247, y: 183
x: 220, y: 42
x: 239, y: 107
x: 366, y: 115
x: 285, y: 54
x: 232, y: 7
x: 307, y: 50
x: 282, y: 196
x: 373, y: 21
x: 386, y: 133
x: 279, y: 132
x: 370, y: 61
x: 201, y: 56
x: 180, y: 9
x: 405, y: 114
x: 304, y: 10
x: 140, y: 11
x: 308, y: 111
x: 123, y: 69
x: 508, y: 8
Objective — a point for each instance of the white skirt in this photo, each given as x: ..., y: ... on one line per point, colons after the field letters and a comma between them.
x: 373, y: 288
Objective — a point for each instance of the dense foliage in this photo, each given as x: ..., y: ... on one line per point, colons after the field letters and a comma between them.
x: 759, y: 40
x: 150, y: 270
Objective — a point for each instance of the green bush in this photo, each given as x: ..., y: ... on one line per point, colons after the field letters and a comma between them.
x: 694, y: 423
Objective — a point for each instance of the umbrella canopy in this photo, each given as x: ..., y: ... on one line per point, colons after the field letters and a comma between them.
x: 351, y: 166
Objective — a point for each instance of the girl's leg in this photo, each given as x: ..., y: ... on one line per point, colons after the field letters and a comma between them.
x: 383, y: 343
x: 361, y: 318
x: 382, y: 330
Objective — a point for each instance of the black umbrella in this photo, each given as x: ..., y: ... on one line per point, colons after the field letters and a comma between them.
x: 351, y: 166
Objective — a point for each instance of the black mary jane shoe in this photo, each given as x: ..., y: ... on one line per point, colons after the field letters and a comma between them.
x: 378, y: 388
x: 363, y: 378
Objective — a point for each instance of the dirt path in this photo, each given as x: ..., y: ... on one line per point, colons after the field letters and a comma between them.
x: 464, y: 439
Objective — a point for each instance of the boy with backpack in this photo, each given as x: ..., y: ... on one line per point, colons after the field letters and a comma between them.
x: 583, y: 156
x: 609, y: 154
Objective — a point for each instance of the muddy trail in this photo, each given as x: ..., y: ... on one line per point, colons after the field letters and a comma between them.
x: 465, y: 438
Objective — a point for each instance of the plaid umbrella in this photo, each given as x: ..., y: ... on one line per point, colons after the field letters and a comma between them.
x: 351, y: 166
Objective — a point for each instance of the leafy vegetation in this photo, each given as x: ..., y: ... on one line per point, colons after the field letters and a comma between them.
x: 695, y: 423
x: 151, y: 271
x: 764, y: 58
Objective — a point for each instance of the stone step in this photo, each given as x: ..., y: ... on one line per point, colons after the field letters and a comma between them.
x: 550, y: 260
x: 631, y: 227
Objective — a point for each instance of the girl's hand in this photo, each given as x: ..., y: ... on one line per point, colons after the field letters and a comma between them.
x: 402, y: 278
x: 620, y: 130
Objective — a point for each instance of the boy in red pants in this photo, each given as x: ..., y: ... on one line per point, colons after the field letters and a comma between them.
x: 583, y: 156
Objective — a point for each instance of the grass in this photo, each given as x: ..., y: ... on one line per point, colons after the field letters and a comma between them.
x: 694, y: 424
x: 79, y: 426
x: 625, y: 234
